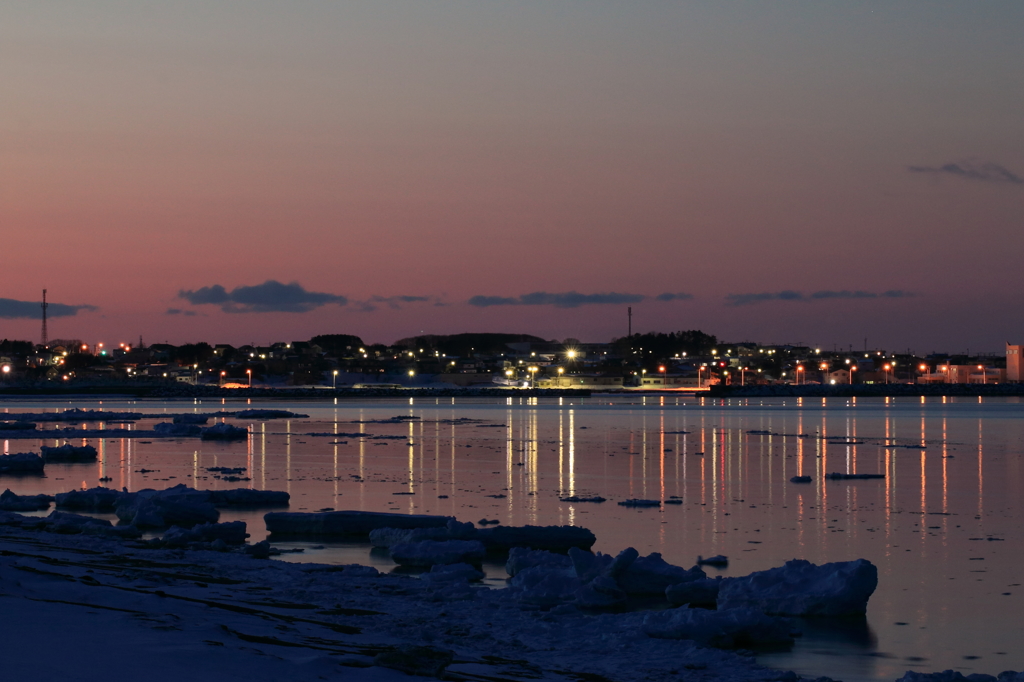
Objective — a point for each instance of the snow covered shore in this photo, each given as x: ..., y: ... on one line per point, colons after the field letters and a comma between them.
x: 123, y: 611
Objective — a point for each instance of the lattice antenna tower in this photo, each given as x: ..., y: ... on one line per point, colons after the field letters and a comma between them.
x: 44, y: 305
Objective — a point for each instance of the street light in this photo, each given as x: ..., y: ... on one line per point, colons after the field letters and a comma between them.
x: 886, y: 369
x: 533, y: 376
x: 853, y: 368
x: 823, y: 366
x: 984, y: 374
x: 799, y: 373
x: 335, y: 384
x: 249, y: 372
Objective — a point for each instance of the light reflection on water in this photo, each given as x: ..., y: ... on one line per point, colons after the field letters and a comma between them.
x: 953, y: 480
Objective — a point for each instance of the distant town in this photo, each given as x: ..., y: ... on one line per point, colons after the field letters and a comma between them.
x: 683, y: 361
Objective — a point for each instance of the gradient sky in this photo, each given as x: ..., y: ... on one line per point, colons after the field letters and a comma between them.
x: 815, y: 172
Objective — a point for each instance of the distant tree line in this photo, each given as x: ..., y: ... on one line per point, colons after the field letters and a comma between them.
x: 660, y: 345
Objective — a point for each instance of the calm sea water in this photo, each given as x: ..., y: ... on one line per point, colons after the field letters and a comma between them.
x: 943, y: 527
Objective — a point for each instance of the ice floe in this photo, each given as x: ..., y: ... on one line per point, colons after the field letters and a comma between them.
x: 732, y: 628
x: 68, y: 453
x: 21, y: 463
x: 431, y: 552
x: 801, y: 588
x: 224, y: 431
x: 12, y: 502
x: 345, y: 524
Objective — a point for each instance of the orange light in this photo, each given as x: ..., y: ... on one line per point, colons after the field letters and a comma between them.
x: 923, y: 368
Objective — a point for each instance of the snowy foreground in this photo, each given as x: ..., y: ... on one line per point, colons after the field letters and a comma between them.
x: 100, y: 607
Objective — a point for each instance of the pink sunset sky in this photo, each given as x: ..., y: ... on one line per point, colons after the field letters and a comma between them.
x: 779, y: 172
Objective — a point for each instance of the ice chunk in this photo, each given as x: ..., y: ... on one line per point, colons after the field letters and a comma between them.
x: 954, y: 676
x: 801, y: 588
x: 588, y: 566
x: 177, y: 429
x: 726, y: 628
x: 640, y: 503
x: 718, y: 561
x: 697, y: 592
x: 17, y: 426
x: 69, y: 524
x: 17, y: 503
x: 223, y: 432
x: 453, y: 573
x: 345, y: 523
x: 231, y: 533
x: 21, y: 463
x: 800, y: 479
x: 851, y: 477
x: 386, y: 537
x: 522, y: 558
x: 191, y: 419
x: 431, y: 552
x: 245, y: 497
x: 69, y: 453
x: 545, y: 587
x: 578, y: 498
x: 268, y: 414
x: 177, y: 506
x: 94, y: 499
x: 603, y: 593
x: 551, y: 538
x: 651, y: 575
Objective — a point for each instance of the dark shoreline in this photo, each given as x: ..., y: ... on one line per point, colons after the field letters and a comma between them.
x: 867, y: 391
x: 284, y: 393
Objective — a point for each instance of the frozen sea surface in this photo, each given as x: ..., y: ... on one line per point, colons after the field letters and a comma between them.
x: 943, y: 526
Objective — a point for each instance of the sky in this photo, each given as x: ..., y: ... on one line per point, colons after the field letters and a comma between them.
x: 829, y: 173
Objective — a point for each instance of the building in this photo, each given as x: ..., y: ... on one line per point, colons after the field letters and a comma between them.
x: 1013, y: 366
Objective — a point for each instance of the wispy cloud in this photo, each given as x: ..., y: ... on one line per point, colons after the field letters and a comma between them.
x: 891, y: 293
x: 179, y: 311
x: 394, y: 302
x: 569, y: 299
x: 673, y: 297
x: 271, y: 296
x: 12, y: 309
x: 790, y: 295
x: 985, y: 171
x: 749, y: 299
